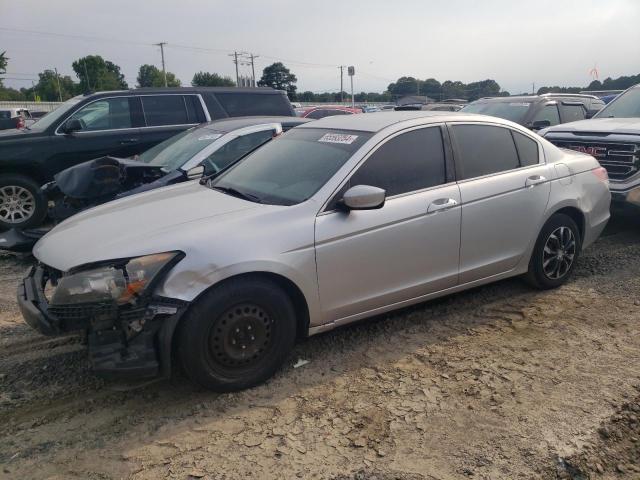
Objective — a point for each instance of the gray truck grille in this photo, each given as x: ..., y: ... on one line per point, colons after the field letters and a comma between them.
x: 621, y: 160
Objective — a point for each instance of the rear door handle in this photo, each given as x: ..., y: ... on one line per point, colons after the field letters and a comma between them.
x: 441, y: 204
x: 128, y: 140
x: 534, y: 180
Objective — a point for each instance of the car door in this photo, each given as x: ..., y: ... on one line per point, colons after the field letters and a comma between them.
x: 167, y: 115
x: 504, y: 187
x: 367, y: 259
x: 108, y: 127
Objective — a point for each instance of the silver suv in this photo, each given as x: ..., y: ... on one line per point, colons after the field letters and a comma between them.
x: 334, y: 221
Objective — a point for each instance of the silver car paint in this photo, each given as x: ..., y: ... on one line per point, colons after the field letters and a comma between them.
x: 345, y: 265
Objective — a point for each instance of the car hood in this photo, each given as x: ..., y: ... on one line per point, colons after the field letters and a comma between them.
x: 608, y: 125
x: 151, y: 222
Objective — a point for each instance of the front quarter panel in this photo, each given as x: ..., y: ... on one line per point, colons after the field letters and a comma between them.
x: 280, y: 242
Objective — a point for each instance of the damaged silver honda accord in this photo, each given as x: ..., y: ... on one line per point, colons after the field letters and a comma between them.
x: 334, y: 221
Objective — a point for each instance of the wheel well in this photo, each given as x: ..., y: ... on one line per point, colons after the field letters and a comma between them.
x: 577, y: 216
x: 290, y: 288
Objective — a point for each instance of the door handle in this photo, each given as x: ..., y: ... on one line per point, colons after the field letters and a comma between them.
x: 441, y: 204
x: 534, y: 180
x: 128, y: 140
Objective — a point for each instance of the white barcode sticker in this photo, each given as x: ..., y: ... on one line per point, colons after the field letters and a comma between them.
x: 212, y: 136
x: 338, y: 138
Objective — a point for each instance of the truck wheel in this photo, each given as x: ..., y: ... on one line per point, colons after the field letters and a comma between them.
x: 22, y: 203
x: 237, y: 335
x: 555, y: 253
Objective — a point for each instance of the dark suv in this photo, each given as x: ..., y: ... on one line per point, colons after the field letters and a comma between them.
x: 538, y: 111
x: 120, y: 123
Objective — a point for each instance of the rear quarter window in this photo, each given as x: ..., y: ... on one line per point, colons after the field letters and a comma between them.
x: 527, y: 149
x: 246, y: 104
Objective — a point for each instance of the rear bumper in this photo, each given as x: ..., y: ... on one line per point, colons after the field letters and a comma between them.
x: 122, y: 343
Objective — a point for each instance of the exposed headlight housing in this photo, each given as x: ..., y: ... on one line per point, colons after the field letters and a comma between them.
x: 119, y: 281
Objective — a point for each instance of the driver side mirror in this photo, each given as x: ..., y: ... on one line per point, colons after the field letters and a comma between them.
x: 540, y: 124
x: 71, y: 126
x: 363, y: 197
x: 195, y: 172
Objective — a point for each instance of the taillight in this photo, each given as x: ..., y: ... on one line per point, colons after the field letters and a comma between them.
x: 20, y: 123
x: 601, y: 173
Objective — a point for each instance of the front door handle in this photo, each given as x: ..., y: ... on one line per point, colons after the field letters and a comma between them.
x: 128, y: 140
x: 442, y: 204
x: 534, y: 180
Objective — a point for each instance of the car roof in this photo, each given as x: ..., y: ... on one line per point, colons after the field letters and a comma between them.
x: 535, y: 98
x: 187, y: 90
x: 234, y: 123
x: 382, y: 120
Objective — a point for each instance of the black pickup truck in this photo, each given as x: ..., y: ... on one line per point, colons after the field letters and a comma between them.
x: 121, y: 124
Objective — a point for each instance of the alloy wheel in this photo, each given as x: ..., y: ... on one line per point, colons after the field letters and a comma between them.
x: 559, y: 252
x: 17, y: 204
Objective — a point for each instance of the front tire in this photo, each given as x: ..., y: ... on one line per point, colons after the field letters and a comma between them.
x: 555, y: 253
x: 22, y: 203
x: 237, y: 335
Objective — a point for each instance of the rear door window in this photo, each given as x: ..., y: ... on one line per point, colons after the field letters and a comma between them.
x: 483, y: 150
x: 406, y: 163
x: 527, y: 149
x: 244, y: 104
x: 549, y: 113
x: 573, y: 113
x: 171, y: 110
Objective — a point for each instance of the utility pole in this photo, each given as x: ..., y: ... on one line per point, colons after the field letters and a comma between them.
x: 341, y: 67
x: 235, y: 60
x: 164, y: 71
x: 58, y: 81
x: 533, y: 88
x: 253, y: 70
x: 86, y: 74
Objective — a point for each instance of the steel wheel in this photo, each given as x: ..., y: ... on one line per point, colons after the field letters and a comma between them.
x: 559, y: 253
x: 17, y: 204
x: 241, y: 337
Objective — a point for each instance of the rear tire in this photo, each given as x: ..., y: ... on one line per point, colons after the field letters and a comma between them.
x: 555, y: 253
x: 237, y: 335
x: 22, y: 203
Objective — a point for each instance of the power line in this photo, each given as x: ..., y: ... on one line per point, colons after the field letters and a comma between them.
x: 73, y: 36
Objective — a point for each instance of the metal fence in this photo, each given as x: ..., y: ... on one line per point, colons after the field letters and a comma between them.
x: 33, y: 106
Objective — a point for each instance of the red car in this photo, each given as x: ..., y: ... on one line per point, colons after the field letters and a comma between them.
x: 328, y: 111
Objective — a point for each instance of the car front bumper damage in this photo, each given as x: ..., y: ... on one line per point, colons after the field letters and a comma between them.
x: 130, y: 341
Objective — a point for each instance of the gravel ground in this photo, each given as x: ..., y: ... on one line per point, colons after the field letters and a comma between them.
x: 495, y: 383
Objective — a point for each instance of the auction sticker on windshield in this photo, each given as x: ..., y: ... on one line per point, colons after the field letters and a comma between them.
x: 209, y: 137
x: 338, y: 138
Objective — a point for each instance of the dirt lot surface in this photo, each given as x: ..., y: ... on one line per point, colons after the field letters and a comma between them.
x: 501, y: 382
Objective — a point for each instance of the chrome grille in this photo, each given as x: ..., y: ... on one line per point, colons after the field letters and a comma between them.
x: 621, y: 160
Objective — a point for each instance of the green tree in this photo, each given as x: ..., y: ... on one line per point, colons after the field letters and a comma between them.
x: 49, y: 87
x: 97, y: 74
x: 279, y: 77
x: 405, y: 86
x: 151, y: 76
x: 206, y: 79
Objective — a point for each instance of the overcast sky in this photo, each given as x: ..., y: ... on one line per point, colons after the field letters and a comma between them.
x: 549, y: 42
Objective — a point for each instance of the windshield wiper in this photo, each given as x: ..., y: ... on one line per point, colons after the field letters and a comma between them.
x: 237, y: 193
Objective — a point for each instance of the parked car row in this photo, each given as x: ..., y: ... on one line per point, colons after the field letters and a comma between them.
x: 121, y: 124
x: 336, y: 220
x: 12, y: 118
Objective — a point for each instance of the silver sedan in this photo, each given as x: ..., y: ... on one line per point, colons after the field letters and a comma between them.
x: 334, y: 221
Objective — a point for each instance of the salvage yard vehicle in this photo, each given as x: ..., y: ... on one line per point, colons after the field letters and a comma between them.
x: 11, y: 118
x: 121, y: 123
x: 335, y: 221
x: 206, y: 149
x: 538, y: 111
x: 612, y: 136
x: 328, y: 111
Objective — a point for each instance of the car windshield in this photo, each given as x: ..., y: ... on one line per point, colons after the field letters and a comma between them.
x: 626, y: 105
x: 53, y: 116
x: 179, y: 149
x: 291, y: 168
x: 514, y: 111
x: 5, y: 114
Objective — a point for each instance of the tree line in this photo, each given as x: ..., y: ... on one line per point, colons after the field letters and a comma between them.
x: 97, y: 74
